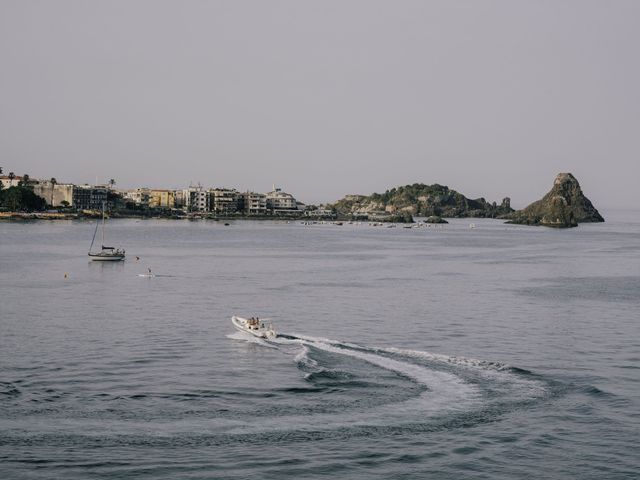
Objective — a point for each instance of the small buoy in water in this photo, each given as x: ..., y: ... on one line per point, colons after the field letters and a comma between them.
x: 65, y: 275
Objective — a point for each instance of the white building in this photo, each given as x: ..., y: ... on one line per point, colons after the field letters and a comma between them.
x: 196, y: 199
x: 8, y: 181
x: 277, y: 200
x: 253, y: 203
x: 139, y: 196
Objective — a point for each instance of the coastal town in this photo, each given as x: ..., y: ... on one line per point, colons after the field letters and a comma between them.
x: 56, y: 198
x: 24, y: 197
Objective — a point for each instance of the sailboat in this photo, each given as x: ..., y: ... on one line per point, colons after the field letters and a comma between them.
x: 106, y: 254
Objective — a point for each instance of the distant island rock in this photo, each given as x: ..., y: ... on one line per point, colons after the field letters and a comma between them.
x: 564, y: 206
x: 420, y: 200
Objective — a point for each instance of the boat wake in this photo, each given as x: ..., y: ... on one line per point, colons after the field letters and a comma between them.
x: 376, y: 388
x: 251, y: 339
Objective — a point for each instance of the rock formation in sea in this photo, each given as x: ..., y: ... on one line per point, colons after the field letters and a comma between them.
x: 564, y: 206
x: 420, y: 200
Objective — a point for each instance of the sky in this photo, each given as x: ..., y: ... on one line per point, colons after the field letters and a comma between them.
x: 325, y: 98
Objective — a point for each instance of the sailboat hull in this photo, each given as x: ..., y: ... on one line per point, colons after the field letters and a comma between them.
x: 98, y: 257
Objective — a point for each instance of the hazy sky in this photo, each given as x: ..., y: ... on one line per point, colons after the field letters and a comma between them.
x: 325, y: 98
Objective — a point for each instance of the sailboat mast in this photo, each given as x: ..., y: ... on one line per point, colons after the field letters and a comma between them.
x: 94, y: 236
x: 103, y: 224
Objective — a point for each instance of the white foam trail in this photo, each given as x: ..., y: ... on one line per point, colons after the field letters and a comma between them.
x: 446, y: 393
x: 314, y: 339
x: 455, y: 360
x: 499, y: 373
x: 303, y: 358
x: 446, y: 390
x: 502, y: 378
x: 247, y: 337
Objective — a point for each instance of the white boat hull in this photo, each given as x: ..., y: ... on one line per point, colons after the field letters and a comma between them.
x: 260, y: 331
x: 106, y: 258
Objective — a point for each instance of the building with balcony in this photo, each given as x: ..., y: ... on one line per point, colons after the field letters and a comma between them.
x: 162, y: 199
x: 279, y: 201
x: 138, y: 197
x: 252, y: 203
x: 223, y: 201
x: 196, y: 199
x: 88, y: 197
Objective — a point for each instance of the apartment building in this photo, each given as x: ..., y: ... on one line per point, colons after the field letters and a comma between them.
x: 88, y: 197
x: 223, y: 201
x: 140, y: 197
x: 197, y: 199
x: 252, y: 203
x: 162, y: 199
x: 277, y: 200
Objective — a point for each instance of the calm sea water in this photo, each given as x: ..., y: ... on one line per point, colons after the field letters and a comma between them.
x: 497, y: 352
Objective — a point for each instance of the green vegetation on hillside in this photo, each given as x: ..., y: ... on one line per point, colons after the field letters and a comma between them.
x: 21, y: 198
x: 422, y: 200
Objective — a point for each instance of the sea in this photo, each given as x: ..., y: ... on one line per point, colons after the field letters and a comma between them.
x: 472, y: 350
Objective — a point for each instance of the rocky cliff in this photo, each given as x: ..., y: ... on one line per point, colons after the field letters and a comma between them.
x: 564, y: 206
x: 421, y: 200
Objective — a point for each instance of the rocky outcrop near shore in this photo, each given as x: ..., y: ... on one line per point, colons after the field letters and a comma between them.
x: 564, y: 206
x: 434, y: 219
x: 421, y: 200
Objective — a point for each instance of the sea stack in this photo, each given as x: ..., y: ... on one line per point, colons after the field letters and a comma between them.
x: 564, y: 206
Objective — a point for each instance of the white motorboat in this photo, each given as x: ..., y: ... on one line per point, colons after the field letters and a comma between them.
x: 254, y: 326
